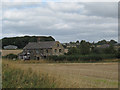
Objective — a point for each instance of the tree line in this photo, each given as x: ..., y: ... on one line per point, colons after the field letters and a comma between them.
x: 85, y: 48
x: 86, y: 52
x: 21, y: 42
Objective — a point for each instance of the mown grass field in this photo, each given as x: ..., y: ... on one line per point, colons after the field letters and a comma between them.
x: 61, y: 75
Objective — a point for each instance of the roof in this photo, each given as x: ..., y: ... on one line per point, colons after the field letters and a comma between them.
x: 116, y: 44
x: 40, y: 45
x: 10, y: 47
x: 104, y: 46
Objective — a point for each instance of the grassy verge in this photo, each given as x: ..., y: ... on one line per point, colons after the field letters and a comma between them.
x: 14, y: 77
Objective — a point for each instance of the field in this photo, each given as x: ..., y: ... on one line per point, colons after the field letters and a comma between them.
x: 74, y: 75
x: 6, y: 52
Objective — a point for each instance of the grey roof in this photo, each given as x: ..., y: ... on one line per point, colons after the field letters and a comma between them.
x: 40, y: 45
x: 116, y: 44
x: 104, y: 46
x: 10, y: 47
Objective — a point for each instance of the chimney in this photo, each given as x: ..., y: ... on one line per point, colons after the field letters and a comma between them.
x: 38, y: 39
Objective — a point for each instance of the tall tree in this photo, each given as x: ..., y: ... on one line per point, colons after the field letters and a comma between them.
x: 109, y: 50
x: 73, y: 50
x: 22, y: 41
x: 102, y: 42
x: 112, y: 42
x: 84, y: 47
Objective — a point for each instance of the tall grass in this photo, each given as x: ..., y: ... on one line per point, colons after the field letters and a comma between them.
x: 18, y: 78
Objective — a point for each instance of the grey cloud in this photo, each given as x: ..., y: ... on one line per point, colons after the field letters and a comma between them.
x: 72, y: 22
x: 104, y: 9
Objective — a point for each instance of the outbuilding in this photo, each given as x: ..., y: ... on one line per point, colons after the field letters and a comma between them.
x: 10, y: 47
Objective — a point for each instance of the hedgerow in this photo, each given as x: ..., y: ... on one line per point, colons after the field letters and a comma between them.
x: 92, y: 57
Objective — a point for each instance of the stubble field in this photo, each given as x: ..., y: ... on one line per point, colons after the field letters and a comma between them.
x: 75, y: 75
x: 6, y: 52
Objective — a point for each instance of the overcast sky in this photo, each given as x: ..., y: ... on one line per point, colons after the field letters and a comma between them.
x: 65, y: 21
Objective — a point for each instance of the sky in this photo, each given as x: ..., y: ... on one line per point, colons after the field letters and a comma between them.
x: 65, y: 21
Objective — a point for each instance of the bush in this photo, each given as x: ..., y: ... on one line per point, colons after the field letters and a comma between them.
x: 118, y: 53
x: 83, y: 58
x: 11, y: 56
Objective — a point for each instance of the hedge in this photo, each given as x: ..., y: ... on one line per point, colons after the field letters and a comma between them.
x: 11, y: 56
x: 92, y: 57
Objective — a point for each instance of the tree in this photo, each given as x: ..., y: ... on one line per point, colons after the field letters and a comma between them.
x: 118, y: 53
x: 109, y: 50
x: 102, y: 42
x: 96, y: 51
x: 84, y: 47
x: 22, y: 41
x: 77, y: 41
x: 112, y: 42
x: 73, y: 50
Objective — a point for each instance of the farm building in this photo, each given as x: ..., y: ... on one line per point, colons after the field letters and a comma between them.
x: 38, y: 50
x: 10, y: 47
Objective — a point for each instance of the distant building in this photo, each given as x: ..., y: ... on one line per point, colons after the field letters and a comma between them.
x: 10, y: 47
x: 69, y: 45
x: 38, y: 50
x: 103, y: 46
x: 66, y: 50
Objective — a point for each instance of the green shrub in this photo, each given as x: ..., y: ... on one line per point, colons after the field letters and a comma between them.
x: 118, y: 53
x: 84, y: 58
x: 11, y: 56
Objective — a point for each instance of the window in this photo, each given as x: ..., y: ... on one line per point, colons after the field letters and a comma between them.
x: 57, y: 45
x: 46, y: 50
x: 41, y: 50
x: 55, y: 50
x: 37, y: 58
x: 37, y: 51
x: 60, y: 50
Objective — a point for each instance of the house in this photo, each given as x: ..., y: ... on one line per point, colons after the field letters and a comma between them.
x: 10, y: 47
x: 69, y: 45
x: 103, y: 46
x: 38, y: 50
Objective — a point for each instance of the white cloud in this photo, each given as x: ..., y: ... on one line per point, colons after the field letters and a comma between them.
x: 60, y: 0
x: 65, y: 7
x: 65, y: 21
x: 21, y: 0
